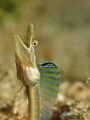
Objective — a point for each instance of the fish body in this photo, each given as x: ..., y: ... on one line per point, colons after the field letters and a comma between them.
x: 33, y: 102
x: 41, y: 80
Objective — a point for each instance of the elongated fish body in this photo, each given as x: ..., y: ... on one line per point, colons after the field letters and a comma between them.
x: 41, y: 81
x: 34, y: 102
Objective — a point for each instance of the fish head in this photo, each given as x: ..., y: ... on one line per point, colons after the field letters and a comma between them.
x: 25, y: 58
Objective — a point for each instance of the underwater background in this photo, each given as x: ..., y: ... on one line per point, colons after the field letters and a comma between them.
x: 62, y: 29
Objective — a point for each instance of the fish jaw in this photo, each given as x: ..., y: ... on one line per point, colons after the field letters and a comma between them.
x: 27, y: 71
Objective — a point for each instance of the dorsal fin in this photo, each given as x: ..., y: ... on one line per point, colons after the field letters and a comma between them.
x: 49, y: 83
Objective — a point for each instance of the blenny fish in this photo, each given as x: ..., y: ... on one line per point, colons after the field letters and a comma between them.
x: 41, y: 80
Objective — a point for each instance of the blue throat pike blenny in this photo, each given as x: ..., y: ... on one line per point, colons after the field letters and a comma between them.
x: 41, y: 80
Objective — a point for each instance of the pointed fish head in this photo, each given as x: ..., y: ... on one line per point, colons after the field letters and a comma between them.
x: 25, y: 55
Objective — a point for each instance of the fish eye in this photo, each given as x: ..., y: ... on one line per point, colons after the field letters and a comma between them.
x: 35, y: 43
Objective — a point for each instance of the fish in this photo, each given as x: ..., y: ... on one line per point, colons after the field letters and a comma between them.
x: 41, y: 80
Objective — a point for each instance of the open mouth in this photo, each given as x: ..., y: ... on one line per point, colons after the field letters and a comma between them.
x: 25, y: 54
